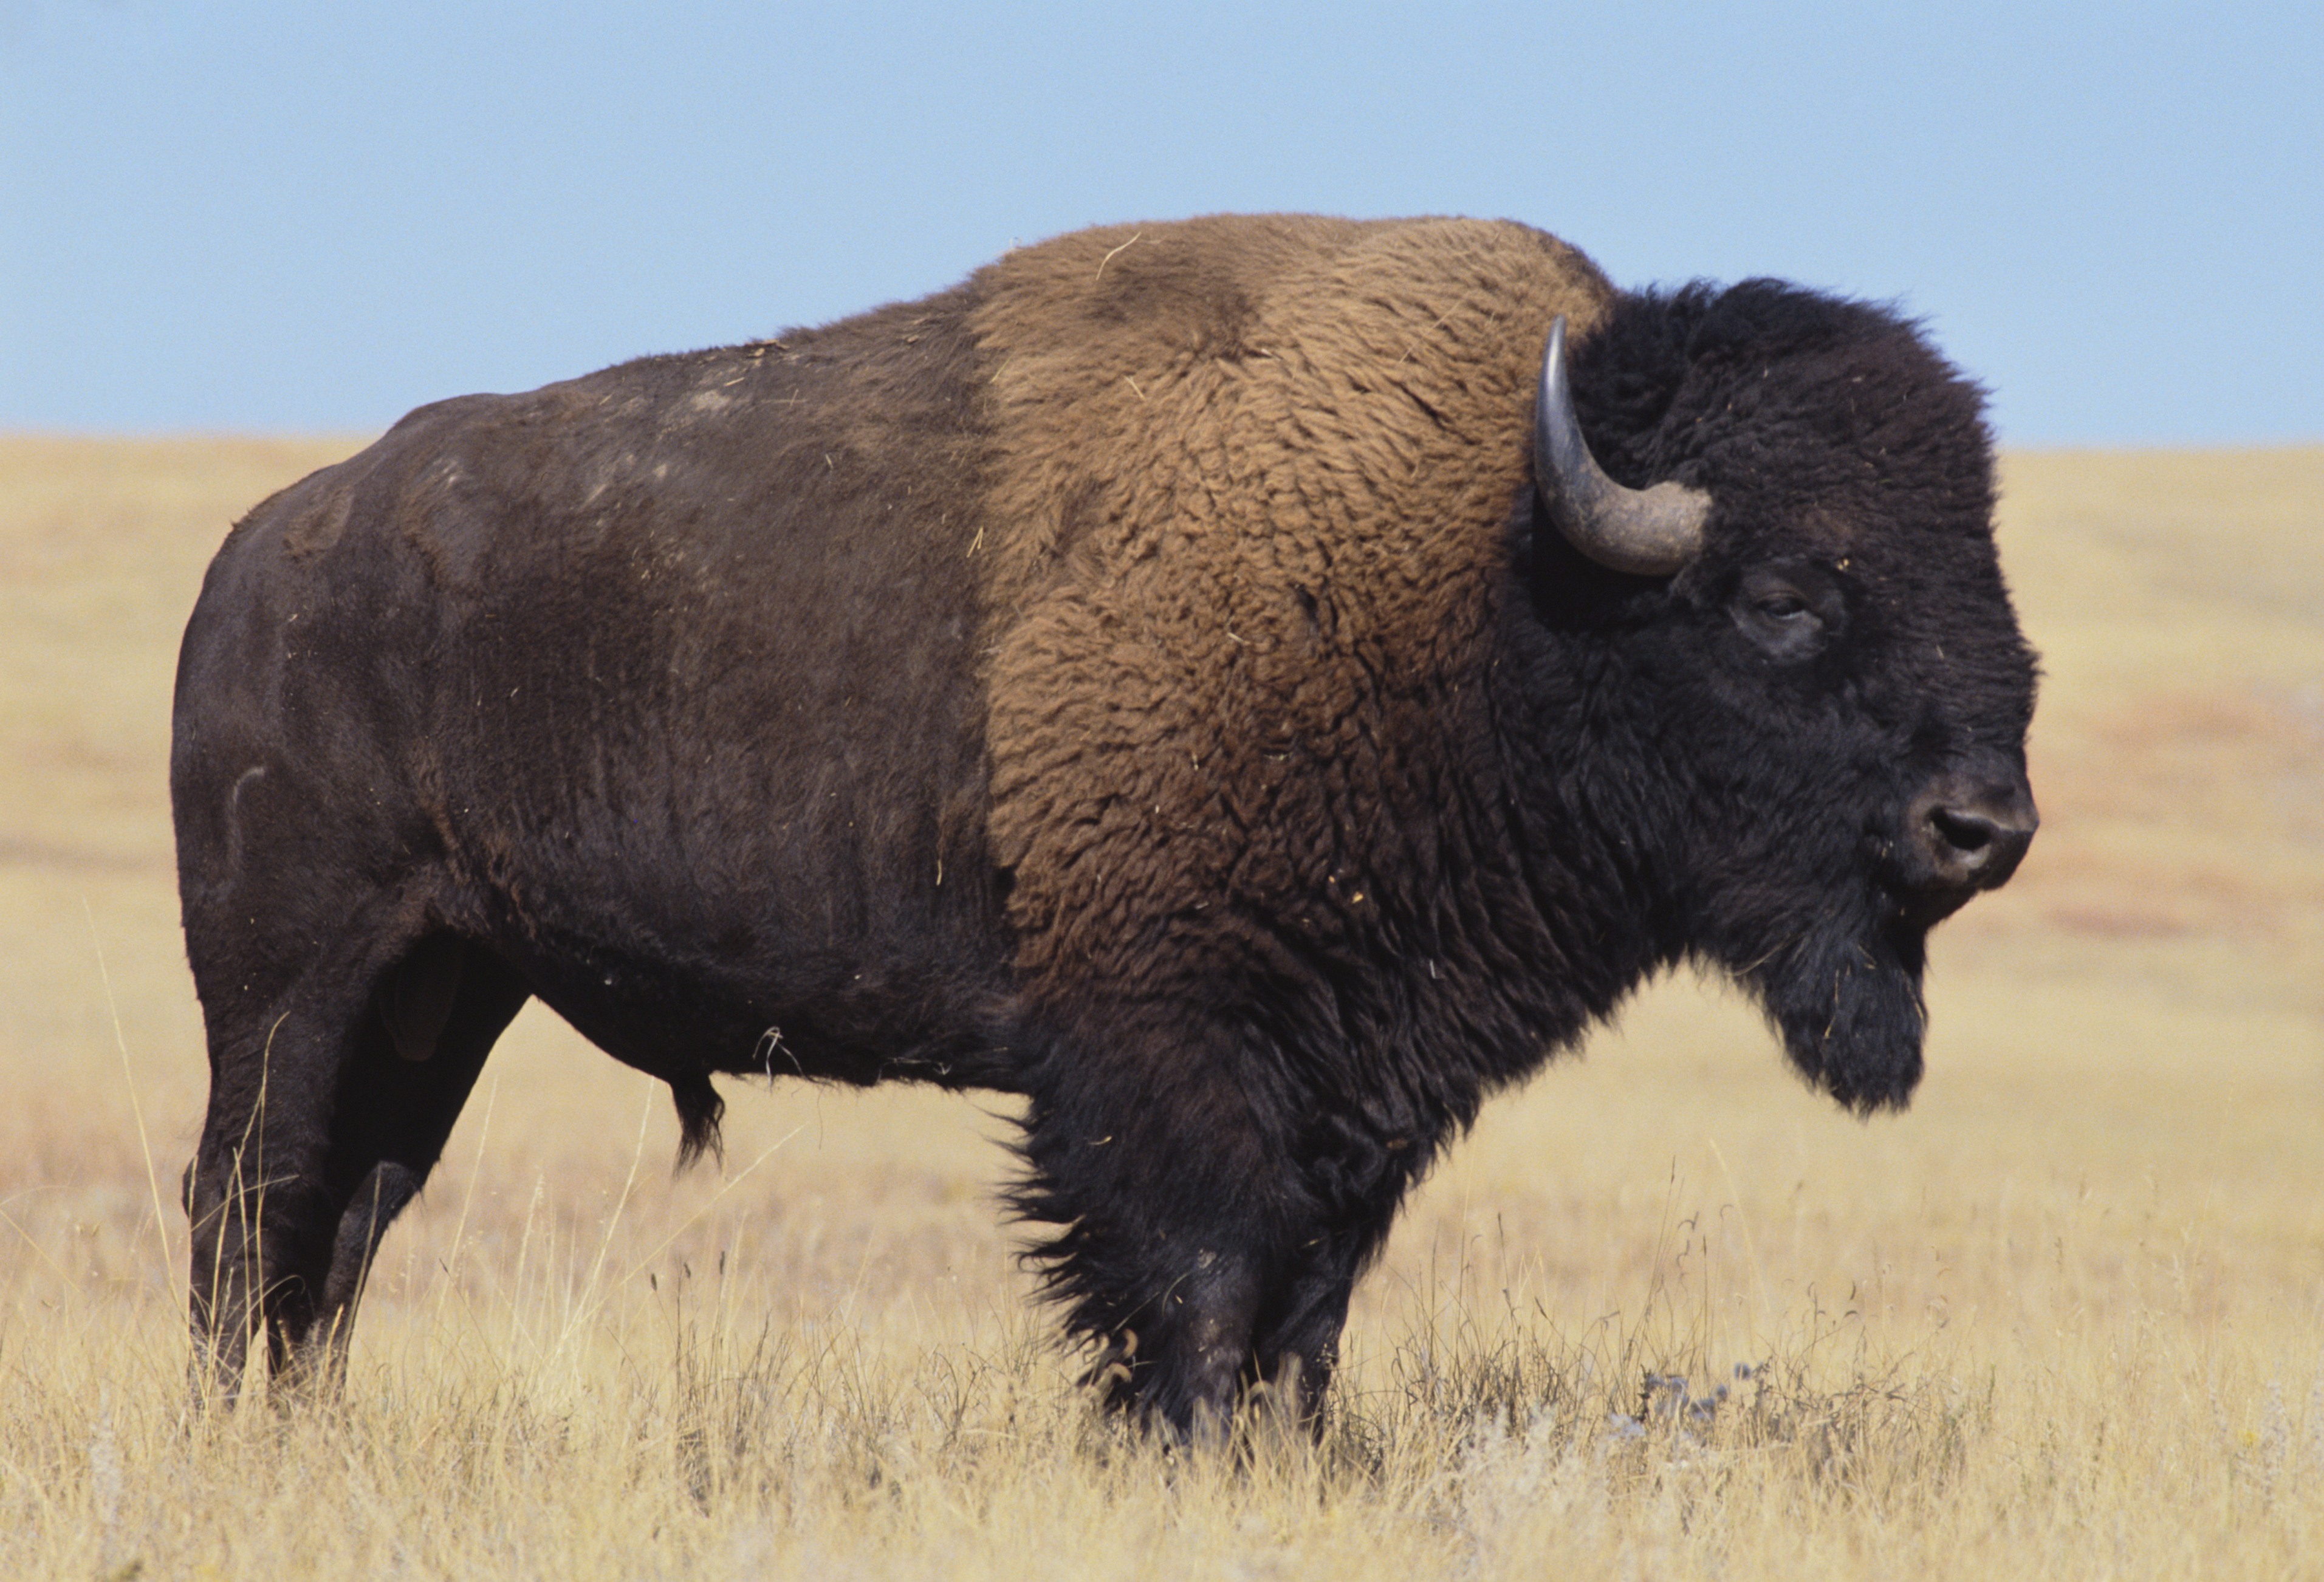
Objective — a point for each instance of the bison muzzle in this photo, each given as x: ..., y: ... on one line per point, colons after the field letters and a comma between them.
x: 1220, y: 681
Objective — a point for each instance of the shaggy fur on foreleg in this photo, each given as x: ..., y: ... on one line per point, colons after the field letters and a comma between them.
x: 1192, y: 1249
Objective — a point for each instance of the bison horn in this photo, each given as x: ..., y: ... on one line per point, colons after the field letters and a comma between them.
x: 1646, y: 532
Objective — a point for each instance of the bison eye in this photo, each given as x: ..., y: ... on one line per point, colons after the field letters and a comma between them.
x: 1789, y: 612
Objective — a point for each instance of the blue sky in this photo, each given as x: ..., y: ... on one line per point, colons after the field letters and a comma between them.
x: 267, y: 216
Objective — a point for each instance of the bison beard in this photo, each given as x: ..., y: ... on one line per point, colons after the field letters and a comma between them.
x: 1219, y: 681
x: 1847, y: 1000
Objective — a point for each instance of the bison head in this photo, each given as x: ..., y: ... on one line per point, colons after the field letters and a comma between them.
x: 1781, y: 557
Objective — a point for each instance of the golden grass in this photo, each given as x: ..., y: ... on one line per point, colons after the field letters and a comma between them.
x: 2065, y: 1318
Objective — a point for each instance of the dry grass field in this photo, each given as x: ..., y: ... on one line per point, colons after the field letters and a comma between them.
x: 2065, y: 1318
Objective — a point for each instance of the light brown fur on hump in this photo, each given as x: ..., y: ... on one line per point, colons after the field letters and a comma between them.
x: 1242, y: 545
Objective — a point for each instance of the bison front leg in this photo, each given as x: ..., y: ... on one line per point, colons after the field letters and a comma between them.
x: 1181, y: 1366
x: 1296, y: 1347
x: 1236, y: 1332
x: 1190, y: 1249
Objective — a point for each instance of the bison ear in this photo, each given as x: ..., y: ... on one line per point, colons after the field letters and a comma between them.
x: 1645, y: 532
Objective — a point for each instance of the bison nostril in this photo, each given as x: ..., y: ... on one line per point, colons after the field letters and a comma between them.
x: 1970, y: 834
x: 1974, y: 846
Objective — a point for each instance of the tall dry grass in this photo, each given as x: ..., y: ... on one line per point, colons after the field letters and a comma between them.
x: 2065, y: 1318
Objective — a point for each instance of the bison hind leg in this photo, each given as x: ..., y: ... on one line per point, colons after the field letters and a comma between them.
x: 329, y: 1104
x: 383, y: 1194
x: 433, y: 1018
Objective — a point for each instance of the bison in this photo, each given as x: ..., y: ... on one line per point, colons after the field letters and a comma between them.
x: 1220, y: 681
